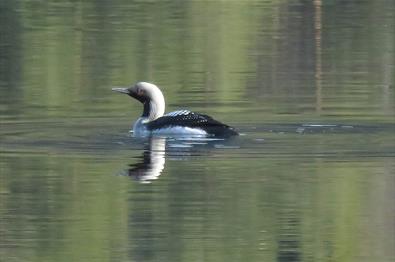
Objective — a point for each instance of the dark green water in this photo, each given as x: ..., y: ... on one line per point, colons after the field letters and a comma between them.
x: 309, y: 86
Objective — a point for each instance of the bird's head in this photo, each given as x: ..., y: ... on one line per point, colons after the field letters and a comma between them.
x: 148, y: 94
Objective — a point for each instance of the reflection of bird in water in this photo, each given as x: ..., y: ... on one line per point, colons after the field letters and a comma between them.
x: 153, y: 161
x: 182, y: 122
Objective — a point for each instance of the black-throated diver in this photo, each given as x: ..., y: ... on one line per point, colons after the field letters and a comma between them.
x: 181, y: 122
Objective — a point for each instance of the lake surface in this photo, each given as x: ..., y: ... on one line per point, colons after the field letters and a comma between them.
x: 310, y: 87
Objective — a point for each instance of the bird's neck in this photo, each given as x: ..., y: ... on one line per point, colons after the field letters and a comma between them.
x: 153, y: 109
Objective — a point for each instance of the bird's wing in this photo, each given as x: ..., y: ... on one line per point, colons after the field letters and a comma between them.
x: 185, y: 118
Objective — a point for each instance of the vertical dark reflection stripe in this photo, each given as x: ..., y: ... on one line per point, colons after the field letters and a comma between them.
x: 289, y: 246
x: 10, y: 55
x: 318, y: 54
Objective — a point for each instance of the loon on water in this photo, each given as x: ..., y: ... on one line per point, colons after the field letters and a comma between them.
x: 181, y: 122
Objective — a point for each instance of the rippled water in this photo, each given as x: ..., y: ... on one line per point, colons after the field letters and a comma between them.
x: 310, y: 87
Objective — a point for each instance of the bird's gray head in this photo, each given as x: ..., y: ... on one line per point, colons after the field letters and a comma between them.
x: 149, y: 95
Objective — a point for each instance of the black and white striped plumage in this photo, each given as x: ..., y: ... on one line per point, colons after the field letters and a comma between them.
x: 181, y: 122
x: 186, y: 118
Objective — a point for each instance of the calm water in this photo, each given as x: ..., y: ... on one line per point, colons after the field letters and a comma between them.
x: 309, y: 86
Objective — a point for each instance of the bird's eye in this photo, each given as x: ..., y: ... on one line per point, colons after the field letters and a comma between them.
x: 140, y: 92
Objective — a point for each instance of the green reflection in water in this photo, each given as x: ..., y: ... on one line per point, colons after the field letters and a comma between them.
x: 292, y: 197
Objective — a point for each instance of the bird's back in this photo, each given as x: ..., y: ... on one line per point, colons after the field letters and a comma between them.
x: 190, y: 121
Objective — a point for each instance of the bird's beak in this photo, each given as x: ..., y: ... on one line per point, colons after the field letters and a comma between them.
x: 121, y: 90
x: 131, y: 91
